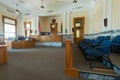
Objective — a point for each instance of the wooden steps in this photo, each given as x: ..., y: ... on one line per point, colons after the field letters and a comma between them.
x: 76, y: 63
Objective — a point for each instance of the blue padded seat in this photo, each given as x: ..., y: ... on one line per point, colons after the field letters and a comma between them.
x: 93, y: 44
x: 115, y: 48
x: 102, y: 51
x: 107, y: 37
x: 100, y: 37
x: 116, y: 39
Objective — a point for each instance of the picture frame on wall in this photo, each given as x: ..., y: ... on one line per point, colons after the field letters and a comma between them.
x: 105, y: 22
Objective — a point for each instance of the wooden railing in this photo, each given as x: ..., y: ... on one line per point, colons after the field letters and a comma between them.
x: 70, y: 71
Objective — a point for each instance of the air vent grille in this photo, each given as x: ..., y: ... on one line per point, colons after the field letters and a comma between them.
x: 49, y: 11
x: 79, y: 7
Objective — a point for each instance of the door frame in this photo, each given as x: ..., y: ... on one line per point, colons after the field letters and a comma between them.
x: 81, y: 29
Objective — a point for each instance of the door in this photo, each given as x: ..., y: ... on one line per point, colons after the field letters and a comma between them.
x: 78, y: 29
x: 27, y: 26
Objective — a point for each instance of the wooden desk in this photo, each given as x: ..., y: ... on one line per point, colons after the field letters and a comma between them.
x: 22, y: 44
x: 3, y: 54
x: 47, y: 38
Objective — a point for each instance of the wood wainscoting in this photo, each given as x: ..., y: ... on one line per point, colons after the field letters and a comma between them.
x: 3, y: 54
x: 22, y: 44
x: 47, y: 38
x: 70, y: 71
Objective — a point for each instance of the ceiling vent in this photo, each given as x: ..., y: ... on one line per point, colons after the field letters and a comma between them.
x: 22, y: 1
x: 49, y: 11
x: 79, y: 7
x: 27, y: 14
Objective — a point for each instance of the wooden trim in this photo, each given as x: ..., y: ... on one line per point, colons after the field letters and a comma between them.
x: 100, y: 69
x: 10, y: 24
x: 70, y: 71
x: 80, y: 28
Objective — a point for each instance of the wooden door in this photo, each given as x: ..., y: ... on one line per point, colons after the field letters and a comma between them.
x: 78, y: 29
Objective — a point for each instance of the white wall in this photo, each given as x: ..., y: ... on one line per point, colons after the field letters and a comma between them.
x: 80, y: 14
x: 45, y: 23
x: 105, y: 9
x: 67, y: 21
x: 94, y: 19
x: 115, y: 14
x: 97, y: 19
x: 34, y: 24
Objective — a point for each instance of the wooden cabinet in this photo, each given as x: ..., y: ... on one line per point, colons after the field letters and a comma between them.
x: 3, y: 54
x: 47, y: 38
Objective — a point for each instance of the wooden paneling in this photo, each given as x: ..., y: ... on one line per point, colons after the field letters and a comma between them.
x: 22, y: 44
x: 3, y: 54
x: 28, y: 44
x: 47, y: 38
x: 70, y: 71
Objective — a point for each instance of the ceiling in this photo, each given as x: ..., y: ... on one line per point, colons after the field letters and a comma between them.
x: 52, y: 7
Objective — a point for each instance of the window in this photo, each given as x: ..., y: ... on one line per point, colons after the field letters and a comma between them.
x: 9, y: 25
x: 9, y: 30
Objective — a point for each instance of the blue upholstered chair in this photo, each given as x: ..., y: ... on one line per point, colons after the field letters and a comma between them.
x: 101, y: 51
x: 95, y: 43
x: 91, y: 43
x: 115, y: 47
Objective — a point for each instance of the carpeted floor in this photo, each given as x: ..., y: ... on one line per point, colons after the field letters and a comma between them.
x: 34, y: 64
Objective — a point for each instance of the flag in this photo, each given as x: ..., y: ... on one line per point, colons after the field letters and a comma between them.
x: 61, y: 28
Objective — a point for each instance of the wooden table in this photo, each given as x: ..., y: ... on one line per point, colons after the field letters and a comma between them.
x: 3, y: 54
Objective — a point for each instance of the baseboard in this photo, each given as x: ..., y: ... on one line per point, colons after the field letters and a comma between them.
x: 72, y: 72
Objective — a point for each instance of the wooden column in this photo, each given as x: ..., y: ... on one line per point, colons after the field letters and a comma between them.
x: 3, y: 54
x: 70, y: 71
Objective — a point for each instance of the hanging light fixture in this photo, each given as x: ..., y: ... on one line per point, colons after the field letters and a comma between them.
x: 74, y: 1
x: 17, y: 10
x: 74, y: 4
x: 42, y: 6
